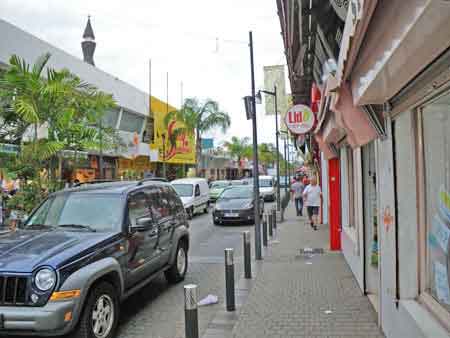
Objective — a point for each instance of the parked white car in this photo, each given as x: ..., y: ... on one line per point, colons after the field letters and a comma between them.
x: 267, y: 188
x: 194, y: 193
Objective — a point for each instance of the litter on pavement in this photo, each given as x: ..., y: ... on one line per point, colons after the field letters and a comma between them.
x: 209, y: 300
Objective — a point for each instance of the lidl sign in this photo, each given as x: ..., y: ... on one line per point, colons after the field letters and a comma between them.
x: 299, y: 119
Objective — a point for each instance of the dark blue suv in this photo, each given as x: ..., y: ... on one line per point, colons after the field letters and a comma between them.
x: 83, y: 251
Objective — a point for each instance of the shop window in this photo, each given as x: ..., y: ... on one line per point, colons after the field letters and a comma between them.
x: 109, y: 118
x: 435, y: 119
x: 131, y: 122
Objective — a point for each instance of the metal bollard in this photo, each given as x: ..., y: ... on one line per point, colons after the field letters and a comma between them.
x: 265, y: 230
x: 191, y: 311
x: 270, y: 225
x: 274, y: 217
x: 229, y: 280
x: 247, y: 255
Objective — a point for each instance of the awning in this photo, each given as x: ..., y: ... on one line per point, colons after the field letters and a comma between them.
x: 324, y: 147
x: 352, y: 119
x: 358, y: 18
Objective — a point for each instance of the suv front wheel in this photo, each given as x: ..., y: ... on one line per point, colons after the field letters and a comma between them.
x: 178, y: 269
x: 100, y: 314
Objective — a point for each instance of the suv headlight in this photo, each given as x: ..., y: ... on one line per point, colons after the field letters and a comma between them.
x: 45, y: 279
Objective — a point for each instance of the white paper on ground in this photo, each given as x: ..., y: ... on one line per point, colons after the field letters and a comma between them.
x: 209, y: 300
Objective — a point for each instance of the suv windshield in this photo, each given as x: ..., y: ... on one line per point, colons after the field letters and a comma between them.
x: 263, y: 183
x: 184, y: 190
x: 237, y: 193
x: 80, y: 211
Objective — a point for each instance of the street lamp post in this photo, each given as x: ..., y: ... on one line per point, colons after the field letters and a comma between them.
x: 164, y: 155
x: 286, y: 164
x: 274, y: 93
x: 100, y: 157
x: 258, y: 254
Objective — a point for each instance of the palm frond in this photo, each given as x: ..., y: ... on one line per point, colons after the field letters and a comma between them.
x: 26, y: 109
x: 39, y: 65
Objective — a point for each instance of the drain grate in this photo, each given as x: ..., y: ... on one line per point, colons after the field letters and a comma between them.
x: 312, y: 251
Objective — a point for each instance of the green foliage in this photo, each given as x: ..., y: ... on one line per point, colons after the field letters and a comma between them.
x: 69, y: 109
x: 198, y: 118
x: 239, y: 148
x: 27, y: 198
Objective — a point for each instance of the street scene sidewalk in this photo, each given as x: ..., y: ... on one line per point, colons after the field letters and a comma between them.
x: 298, y: 294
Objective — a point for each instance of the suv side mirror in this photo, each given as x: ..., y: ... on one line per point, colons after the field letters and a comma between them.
x: 142, y: 224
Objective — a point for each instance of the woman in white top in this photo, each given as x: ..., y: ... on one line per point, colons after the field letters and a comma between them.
x: 312, y: 196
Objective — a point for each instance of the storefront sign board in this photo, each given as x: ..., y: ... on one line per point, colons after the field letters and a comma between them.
x: 299, y: 119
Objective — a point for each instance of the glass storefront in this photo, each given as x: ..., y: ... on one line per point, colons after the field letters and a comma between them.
x: 436, y: 147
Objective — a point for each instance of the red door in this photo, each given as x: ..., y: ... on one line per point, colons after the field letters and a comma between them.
x: 334, y: 206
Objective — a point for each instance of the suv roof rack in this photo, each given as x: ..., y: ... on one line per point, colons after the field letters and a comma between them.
x: 94, y: 182
x: 152, y: 179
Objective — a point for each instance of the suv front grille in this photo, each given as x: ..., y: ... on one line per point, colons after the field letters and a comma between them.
x: 13, y: 290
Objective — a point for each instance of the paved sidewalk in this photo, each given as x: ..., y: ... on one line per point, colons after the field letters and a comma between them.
x: 298, y: 295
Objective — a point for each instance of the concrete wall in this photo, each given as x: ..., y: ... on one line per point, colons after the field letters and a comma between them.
x: 351, y: 237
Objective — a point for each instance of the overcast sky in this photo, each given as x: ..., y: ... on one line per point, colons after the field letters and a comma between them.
x: 202, y: 43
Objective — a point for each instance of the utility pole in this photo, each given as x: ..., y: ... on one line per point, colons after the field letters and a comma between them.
x: 288, y: 159
x: 258, y: 255
x: 100, y: 157
x: 286, y: 163
x: 165, y: 127
x: 278, y: 150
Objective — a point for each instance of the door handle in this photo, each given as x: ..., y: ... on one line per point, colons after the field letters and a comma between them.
x: 153, y: 233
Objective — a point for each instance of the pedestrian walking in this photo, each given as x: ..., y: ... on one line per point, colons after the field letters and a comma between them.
x: 313, y: 197
x: 297, y: 195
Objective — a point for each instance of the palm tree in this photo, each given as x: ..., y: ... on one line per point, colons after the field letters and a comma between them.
x: 59, y: 101
x: 196, y: 118
x: 239, y: 148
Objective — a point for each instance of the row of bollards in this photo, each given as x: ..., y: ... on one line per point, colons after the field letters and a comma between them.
x: 269, y: 227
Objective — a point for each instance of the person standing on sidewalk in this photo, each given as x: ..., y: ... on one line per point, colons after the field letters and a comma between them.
x: 313, y: 196
x: 297, y: 195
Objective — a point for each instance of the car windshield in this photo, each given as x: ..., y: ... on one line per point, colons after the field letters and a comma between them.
x: 265, y: 183
x: 77, y: 210
x: 218, y: 185
x: 184, y: 190
x: 237, y: 193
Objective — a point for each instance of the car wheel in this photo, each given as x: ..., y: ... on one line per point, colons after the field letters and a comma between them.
x: 178, y: 270
x: 100, y: 315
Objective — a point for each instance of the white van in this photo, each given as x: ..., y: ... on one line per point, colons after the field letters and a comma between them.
x: 267, y: 188
x: 194, y: 193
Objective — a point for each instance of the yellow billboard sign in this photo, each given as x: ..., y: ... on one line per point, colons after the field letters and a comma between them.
x: 179, y: 149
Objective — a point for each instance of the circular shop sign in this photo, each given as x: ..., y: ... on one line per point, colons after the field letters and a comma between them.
x: 299, y: 119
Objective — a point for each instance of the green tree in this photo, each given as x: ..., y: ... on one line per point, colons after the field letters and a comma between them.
x: 37, y: 98
x: 239, y: 148
x: 198, y: 118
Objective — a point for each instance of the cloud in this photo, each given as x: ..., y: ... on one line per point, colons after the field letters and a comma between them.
x: 200, y: 42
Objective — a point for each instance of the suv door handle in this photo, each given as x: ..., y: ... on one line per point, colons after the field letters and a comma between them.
x: 153, y: 233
